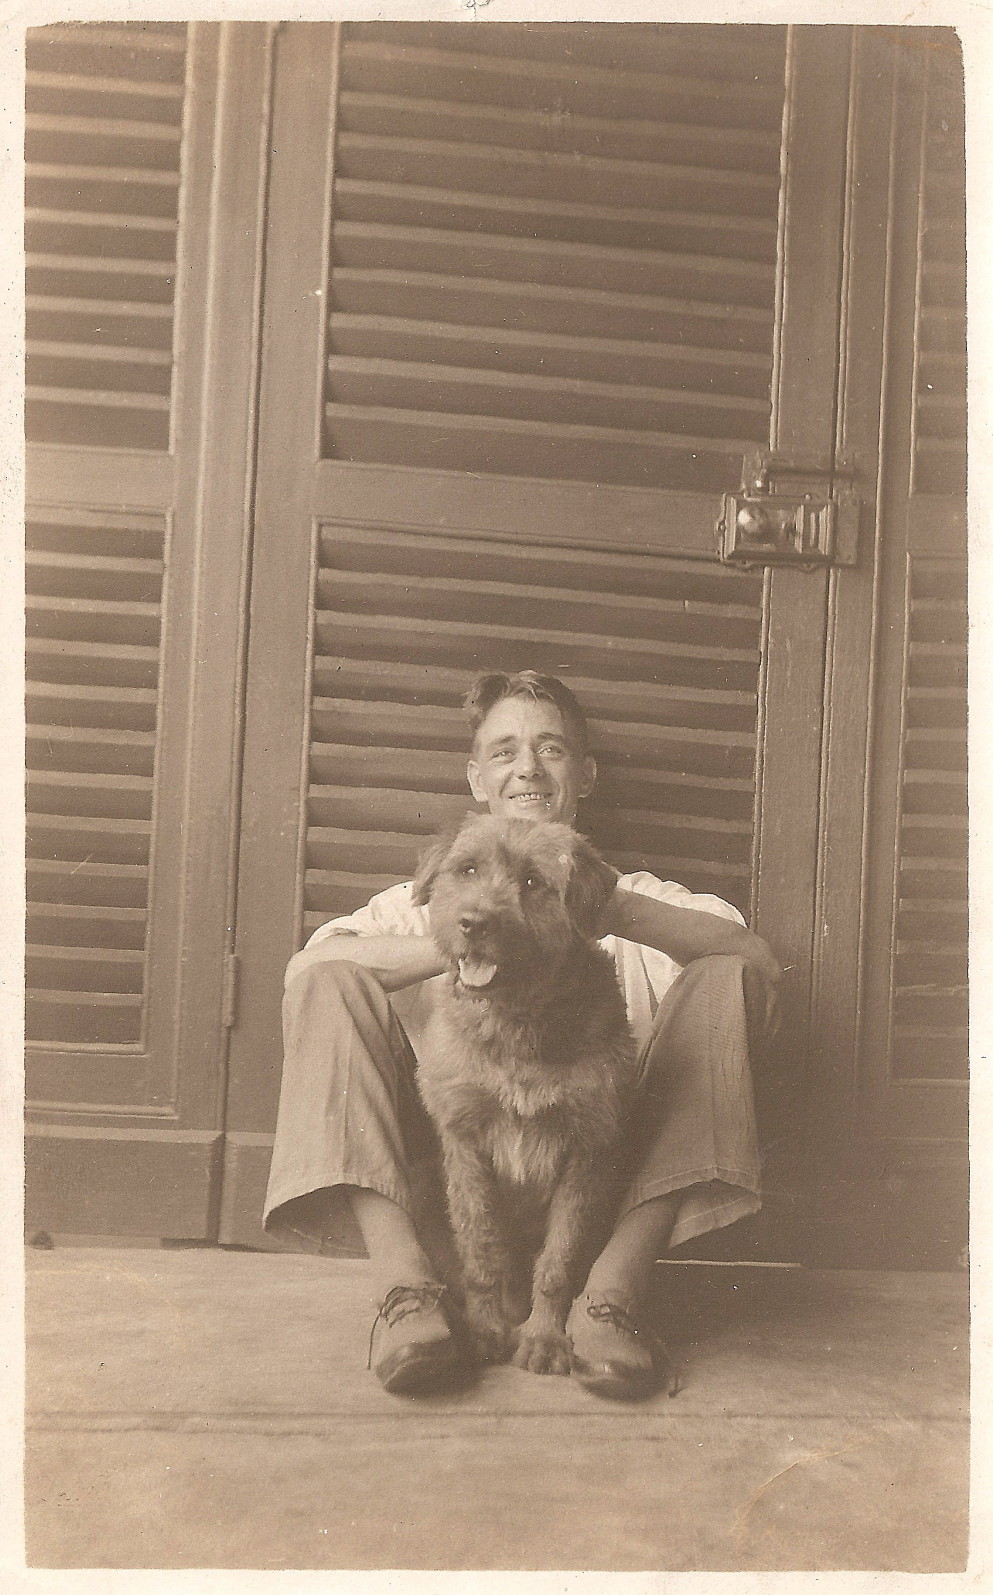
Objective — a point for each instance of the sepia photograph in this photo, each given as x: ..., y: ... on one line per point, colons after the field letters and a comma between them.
x: 497, y: 833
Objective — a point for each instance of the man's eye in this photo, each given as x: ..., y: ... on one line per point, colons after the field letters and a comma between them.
x: 554, y: 748
x: 502, y: 753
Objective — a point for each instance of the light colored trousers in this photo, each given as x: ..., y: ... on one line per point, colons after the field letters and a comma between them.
x: 350, y: 1114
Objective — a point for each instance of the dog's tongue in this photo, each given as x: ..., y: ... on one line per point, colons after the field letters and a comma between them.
x: 476, y: 972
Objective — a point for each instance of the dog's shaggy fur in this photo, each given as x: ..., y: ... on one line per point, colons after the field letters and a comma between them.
x: 526, y: 1071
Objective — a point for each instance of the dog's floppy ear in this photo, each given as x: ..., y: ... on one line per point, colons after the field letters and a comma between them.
x: 590, y: 887
x: 431, y: 860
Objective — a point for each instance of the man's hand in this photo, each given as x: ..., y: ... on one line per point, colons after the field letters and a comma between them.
x: 395, y: 961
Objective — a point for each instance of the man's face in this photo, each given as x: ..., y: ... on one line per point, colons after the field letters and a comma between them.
x: 525, y: 763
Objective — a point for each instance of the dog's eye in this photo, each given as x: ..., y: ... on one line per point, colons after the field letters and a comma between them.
x: 534, y: 883
x: 468, y: 869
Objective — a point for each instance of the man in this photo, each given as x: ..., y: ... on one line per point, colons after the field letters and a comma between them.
x: 353, y: 1145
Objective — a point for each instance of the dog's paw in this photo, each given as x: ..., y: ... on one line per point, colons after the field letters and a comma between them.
x: 543, y: 1353
x: 492, y: 1335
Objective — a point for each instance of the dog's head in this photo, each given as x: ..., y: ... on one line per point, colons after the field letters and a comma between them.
x: 510, y: 900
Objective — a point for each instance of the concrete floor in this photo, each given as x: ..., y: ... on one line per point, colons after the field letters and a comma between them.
x: 204, y: 1408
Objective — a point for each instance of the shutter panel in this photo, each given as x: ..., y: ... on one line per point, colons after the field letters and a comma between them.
x: 103, y: 167
x: 929, y: 995
x: 930, y: 998
x: 663, y: 655
x: 140, y: 376
x: 939, y: 387
x: 903, y: 1053
x: 553, y: 250
x: 93, y: 617
x: 102, y: 151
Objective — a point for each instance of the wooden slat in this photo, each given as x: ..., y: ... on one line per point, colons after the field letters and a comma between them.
x: 75, y: 127
x: 107, y: 884
x: 439, y: 771
x: 69, y: 82
x: 646, y: 701
x: 644, y: 138
x: 545, y: 307
x: 90, y: 748
x: 111, y: 841
x: 55, y: 969
x: 73, y: 792
x: 575, y: 265
x: 508, y: 648
x: 751, y: 54
x: 130, y: 708
x: 559, y: 608
x: 109, y: 664
x: 540, y: 448
x: 355, y: 546
x: 727, y: 371
x: 433, y: 385
x: 86, y: 925
x: 460, y: 74
x: 94, y: 619
x: 155, y: 41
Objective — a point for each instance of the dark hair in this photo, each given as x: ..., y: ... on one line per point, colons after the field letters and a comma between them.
x: 488, y: 690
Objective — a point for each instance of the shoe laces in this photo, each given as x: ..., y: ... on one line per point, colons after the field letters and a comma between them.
x: 609, y: 1312
x: 400, y: 1302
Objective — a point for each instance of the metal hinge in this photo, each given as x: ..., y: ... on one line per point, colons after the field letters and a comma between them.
x: 790, y: 513
x: 229, y: 991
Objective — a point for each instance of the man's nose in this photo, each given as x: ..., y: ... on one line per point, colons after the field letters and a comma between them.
x: 527, y: 762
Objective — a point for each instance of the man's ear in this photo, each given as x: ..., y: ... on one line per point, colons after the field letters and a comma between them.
x: 475, y: 781
x: 588, y: 781
x: 591, y: 885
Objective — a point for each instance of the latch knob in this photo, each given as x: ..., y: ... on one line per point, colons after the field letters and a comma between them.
x: 810, y: 520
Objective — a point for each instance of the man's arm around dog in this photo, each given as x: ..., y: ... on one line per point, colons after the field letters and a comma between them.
x: 683, y: 934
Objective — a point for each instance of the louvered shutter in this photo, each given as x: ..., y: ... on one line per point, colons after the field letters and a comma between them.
x: 552, y: 257
x: 664, y: 657
x: 533, y: 275
x: 103, y: 158
x: 913, y: 1041
x: 553, y: 250
x: 929, y: 1035
x: 131, y: 613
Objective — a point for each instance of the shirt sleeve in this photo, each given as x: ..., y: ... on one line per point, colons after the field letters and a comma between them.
x: 389, y: 913
x: 645, y: 974
x: 679, y: 896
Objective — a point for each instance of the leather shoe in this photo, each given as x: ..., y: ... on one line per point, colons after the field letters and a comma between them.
x: 613, y: 1355
x: 416, y: 1352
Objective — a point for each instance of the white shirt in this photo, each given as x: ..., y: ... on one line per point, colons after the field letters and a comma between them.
x: 644, y: 974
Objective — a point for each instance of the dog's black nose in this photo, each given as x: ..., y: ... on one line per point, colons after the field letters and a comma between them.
x: 469, y: 921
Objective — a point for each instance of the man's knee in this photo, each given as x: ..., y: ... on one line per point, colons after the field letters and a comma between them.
x: 335, y: 980
x: 728, y: 977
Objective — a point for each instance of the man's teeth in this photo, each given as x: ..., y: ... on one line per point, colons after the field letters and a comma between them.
x: 531, y: 797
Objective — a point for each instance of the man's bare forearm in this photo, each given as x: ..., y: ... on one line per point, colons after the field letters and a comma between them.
x: 395, y: 961
x: 684, y: 934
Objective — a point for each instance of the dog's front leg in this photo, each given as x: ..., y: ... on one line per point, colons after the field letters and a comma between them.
x: 573, y: 1219
x: 483, y: 1253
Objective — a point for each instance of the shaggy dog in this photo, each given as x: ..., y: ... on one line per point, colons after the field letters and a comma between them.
x: 526, y: 1071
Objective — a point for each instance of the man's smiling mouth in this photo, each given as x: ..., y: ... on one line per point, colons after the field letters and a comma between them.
x: 533, y: 798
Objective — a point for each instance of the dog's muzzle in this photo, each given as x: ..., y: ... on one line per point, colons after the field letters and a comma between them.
x: 475, y: 973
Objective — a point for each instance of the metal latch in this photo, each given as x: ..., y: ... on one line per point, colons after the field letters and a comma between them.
x: 787, y: 513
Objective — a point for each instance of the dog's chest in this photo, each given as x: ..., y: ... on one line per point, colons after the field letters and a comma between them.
x: 526, y: 1151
